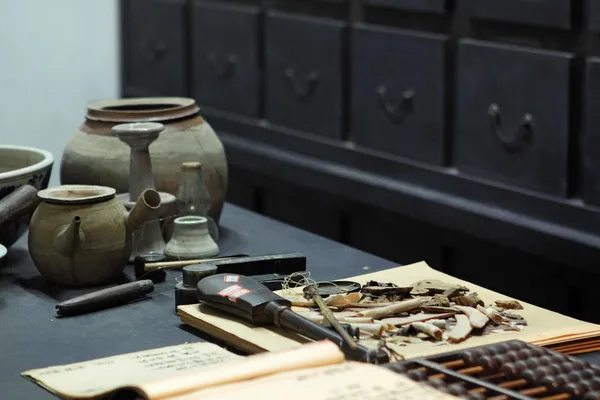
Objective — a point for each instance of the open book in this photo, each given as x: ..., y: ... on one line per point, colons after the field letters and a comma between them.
x: 544, y: 327
x: 316, y: 371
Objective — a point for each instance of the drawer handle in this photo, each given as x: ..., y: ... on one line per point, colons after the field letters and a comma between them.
x: 224, y: 69
x: 157, y: 52
x: 302, y: 88
x: 396, y: 111
x: 523, y: 135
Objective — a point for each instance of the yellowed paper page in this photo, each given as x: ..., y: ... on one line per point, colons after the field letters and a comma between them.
x: 344, y: 381
x: 92, y: 378
x: 544, y: 327
x: 312, y: 355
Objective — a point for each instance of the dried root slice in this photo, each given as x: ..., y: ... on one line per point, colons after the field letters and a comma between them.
x: 509, y: 304
x: 478, y: 319
x: 358, y: 320
x: 429, y: 329
x: 386, y: 311
x: 421, y: 317
x: 470, y: 300
x: 343, y: 299
x: 493, y: 315
x: 440, y: 323
x: 461, y: 330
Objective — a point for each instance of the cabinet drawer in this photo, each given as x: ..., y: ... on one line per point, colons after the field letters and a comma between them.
x: 590, y: 157
x: 593, y: 14
x: 433, y: 6
x: 398, y: 92
x: 225, y: 57
x: 512, y: 115
x: 304, y: 73
x: 156, y: 64
x: 554, y: 13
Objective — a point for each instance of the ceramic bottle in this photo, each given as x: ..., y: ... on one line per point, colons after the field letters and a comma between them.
x: 193, y: 198
x: 191, y: 239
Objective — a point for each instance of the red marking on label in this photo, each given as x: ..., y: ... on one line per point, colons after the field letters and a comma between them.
x: 229, y: 290
x: 233, y: 297
x: 231, y: 278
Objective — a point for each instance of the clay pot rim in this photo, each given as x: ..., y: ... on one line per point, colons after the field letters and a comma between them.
x: 179, y: 107
x: 97, y: 194
x: 47, y: 160
x: 190, y: 220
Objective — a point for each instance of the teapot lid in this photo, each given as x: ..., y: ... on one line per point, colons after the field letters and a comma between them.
x: 76, y: 194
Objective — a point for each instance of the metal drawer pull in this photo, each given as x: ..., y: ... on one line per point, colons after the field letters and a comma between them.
x: 302, y: 88
x: 224, y: 69
x: 524, y: 132
x: 156, y: 52
x: 396, y: 111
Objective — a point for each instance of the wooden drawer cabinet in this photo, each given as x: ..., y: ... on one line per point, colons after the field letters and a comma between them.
x: 433, y: 6
x: 156, y: 64
x: 398, y: 92
x: 512, y: 115
x: 553, y: 13
x: 224, y: 59
x: 591, y: 136
x: 304, y: 73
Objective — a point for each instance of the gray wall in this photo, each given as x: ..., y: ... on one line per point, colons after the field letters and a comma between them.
x: 55, y: 57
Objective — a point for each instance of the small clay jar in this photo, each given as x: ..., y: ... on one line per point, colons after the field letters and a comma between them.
x: 191, y: 240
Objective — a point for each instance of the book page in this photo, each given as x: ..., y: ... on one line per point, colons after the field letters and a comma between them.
x: 348, y: 381
x: 544, y: 327
x: 311, y: 355
x: 90, y: 379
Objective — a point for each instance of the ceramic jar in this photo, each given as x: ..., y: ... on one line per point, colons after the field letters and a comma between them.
x: 82, y: 235
x: 96, y: 156
x: 191, y: 240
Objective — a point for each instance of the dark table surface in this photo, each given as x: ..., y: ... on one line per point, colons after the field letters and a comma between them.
x: 32, y: 337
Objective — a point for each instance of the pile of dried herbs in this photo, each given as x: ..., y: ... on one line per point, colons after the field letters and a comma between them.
x: 428, y: 310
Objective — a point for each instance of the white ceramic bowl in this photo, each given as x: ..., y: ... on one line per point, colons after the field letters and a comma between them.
x: 20, y: 165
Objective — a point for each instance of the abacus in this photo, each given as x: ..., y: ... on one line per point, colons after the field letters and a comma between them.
x: 506, y: 370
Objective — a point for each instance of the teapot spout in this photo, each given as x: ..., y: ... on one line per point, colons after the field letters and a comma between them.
x: 67, y: 237
x: 145, y: 209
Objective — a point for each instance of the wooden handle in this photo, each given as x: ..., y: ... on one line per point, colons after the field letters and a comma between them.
x: 18, y: 204
x: 178, y: 264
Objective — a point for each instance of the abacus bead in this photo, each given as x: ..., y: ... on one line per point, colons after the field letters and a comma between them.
x: 587, y: 374
x: 575, y: 388
x: 555, y: 369
x: 565, y: 367
x: 532, y: 363
x: 437, y: 383
x: 513, y: 368
x: 545, y: 360
x: 517, y: 345
x: 502, y: 348
x: 525, y: 354
x: 595, y: 383
x: 579, y: 365
x: 417, y: 375
x: 457, y: 389
x: 512, y: 356
x: 468, y: 357
x: 476, y: 396
x: 489, y: 363
x: 538, y: 352
x: 480, y: 353
x: 500, y: 359
x: 553, y: 382
x: 592, y: 396
x: 533, y: 376
x: 574, y: 376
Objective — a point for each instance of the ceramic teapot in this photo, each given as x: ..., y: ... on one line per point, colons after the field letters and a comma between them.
x: 82, y: 235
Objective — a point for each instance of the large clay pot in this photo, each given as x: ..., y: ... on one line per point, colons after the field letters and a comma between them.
x: 95, y: 156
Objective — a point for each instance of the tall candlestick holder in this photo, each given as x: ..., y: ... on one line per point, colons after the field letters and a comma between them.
x: 138, y: 136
